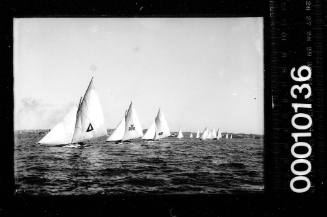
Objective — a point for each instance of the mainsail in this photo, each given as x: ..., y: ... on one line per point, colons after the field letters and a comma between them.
x: 89, y: 119
x: 198, y: 134
x: 226, y: 136
x: 180, y: 134
x: 133, y: 127
x: 231, y: 136
x: 82, y: 122
x: 162, y: 129
x: 151, y: 132
x: 191, y: 135
x: 118, y: 133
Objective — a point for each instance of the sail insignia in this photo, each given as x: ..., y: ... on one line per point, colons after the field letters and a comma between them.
x: 89, y: 128
x: 131, y: 127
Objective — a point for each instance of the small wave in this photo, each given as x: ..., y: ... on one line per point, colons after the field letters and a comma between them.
x: 149, y: 182
x: 113, y: 171
x: 151, y: 160
x: 232, y: 165
x: 72, y: 146
x: 34, y: 180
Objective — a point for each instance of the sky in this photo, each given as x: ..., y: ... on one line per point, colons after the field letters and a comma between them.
x: 201, y: 72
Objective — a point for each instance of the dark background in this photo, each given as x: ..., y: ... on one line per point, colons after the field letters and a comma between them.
x: 277, y: 200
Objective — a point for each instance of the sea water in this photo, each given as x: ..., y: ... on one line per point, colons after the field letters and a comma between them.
x: 167, y: 166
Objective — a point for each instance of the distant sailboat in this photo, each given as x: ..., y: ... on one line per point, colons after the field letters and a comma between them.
x: 133, y: 129
x: 180, y: 134
x: 226, y: 136
x: 214, y: 134
x: 81, y: 123
x: 159, y: 128
x: 209, y: 136
x: 191, y: 135
x: 219, y: 136
x: 204, y: 135
x: 198, y: 134
x: 162, y: 129
x: 231, y: 136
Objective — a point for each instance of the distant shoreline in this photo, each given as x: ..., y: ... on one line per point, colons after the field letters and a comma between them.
x: 235, y: 135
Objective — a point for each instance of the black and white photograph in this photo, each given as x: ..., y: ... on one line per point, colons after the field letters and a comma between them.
x: 119, y: 106
x: 168, y: 110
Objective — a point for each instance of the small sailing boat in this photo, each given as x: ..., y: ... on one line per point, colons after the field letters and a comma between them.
x: 159, y: 128
x: 191, y: 135
x: 162, y: 129
x: 133, y: 129
x: 204, y: 135
x: 209, y: 136
x: 198, y: 134
x: 128, y: 128
x: 231, y: 136
x: 82, y: 122
x: 226, y: 136
x: 219, y: 136
x: 180, y: 134
x: 214, y: 134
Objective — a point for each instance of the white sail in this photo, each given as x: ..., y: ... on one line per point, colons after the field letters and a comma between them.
x: 198, y: 134
x: 133, y: 127
x: 118, y: 133
x: 162, y: 129
x: 191, y: 135
x: 204, y: 135
x: 89, y: 119
x: 226, y: 136
x: 231, y: 136
x: 214, y: 133
x: 151, y: 132
x: 63, y: 132
x: 180, y: 134
x: 219, y: 136
x: 209, y: 135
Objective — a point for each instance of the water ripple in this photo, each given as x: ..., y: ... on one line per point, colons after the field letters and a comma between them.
x: 168, y: 166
